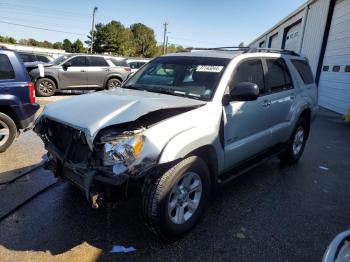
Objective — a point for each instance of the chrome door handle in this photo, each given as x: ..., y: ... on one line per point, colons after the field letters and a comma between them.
x: 266, y: 103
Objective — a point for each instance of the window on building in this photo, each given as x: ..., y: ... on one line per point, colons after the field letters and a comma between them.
x: 262, y: 44
x: 277, y: 77
x: 6, y: 69
x: 325, y: 68
x: 250, y: 71
x: 97, y: 61
x: 304, y: 71
x: 336, y: 68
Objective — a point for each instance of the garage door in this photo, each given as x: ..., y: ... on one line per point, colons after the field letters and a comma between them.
x: 334, y: 85
x: 273, y: 42
x: 292, y: 38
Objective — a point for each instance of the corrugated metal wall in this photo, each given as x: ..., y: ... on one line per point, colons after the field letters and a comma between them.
x: 314, y: 31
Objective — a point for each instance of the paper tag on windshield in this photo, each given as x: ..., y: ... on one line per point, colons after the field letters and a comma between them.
x: 41, y: 70
x: 209, y: 68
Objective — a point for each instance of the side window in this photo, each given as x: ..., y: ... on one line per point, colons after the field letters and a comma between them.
x: 133, y: 65
x: 42, y: 58
x: 119, y: 62
x: 277, y: 77
x: 27, y: 57
x: 6, y: 69
x: 78, y: 61
x: 304, y: 71
x: 97, y: 61
x: 250, y: 71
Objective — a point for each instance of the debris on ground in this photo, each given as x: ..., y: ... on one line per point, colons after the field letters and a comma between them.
x: 122, y: 249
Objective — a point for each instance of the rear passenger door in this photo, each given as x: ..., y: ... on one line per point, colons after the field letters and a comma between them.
x: 279, y: 99
x: 97, y: 69
x: 246, y: 125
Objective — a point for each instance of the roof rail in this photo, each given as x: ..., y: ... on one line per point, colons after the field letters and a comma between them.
x: 271, y: 50
x: 245, y: 50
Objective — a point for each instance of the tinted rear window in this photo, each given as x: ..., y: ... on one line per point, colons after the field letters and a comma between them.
x: 42, y: 58
x: 277, y: 77
x: 97, y: 61
x: 6, y: 69
x: 304, y: 71
x: 119, y: 62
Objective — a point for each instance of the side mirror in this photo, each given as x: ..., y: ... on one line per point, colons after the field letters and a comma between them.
x: 66, y: 65
x: 243, y: 91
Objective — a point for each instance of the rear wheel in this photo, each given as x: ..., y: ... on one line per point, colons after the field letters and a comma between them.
x: 296, y: 144
x: 113, y: 83
x: 174, y: 202
x: 8, y: 132
x: 45, y: 87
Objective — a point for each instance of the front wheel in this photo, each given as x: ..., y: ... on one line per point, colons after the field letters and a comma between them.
x: 296, y: 144
x: 45, y: 87
x: 174, y: 202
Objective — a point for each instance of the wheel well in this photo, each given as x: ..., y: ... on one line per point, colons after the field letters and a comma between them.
x: 51, y: 78
x: 208, y: 154
x: 306, y: 114
x: 8, y: 111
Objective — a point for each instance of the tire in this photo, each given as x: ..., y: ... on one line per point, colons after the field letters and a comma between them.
x: 45, y: 87
x: 296, y: 143
x: 8, y: 132
x: 163, y: 204
x: 113, y: 83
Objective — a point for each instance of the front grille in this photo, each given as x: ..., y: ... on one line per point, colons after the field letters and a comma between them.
x: 62, y: 136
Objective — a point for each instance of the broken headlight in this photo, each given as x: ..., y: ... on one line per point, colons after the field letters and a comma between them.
x: 123, y: 151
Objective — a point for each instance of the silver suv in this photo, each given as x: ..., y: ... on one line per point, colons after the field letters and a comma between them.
x: 80, y: 72
x: 177, y: 126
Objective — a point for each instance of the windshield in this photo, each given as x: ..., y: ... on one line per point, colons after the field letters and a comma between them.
x: 193, y: 77
x: 60, y: 59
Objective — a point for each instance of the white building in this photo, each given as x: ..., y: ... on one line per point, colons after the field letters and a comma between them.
x: 37, y: 50
x: 320, y: 29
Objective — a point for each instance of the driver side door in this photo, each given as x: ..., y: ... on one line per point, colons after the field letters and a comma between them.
x: 246, y: 125
x: 73, y: 73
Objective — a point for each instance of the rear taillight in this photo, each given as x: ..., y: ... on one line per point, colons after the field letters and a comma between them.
x: 128, y: 69
x: 31, y: 92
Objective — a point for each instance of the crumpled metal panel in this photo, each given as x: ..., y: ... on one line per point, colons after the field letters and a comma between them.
x: 92, y: 112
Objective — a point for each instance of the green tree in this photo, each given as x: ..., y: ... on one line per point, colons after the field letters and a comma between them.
x: 67, y: 45
x: 144, y: 40
x: 78, y: 47
x: 58, y: 45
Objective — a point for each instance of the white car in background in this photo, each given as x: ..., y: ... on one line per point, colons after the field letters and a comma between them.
x: 136, y: 63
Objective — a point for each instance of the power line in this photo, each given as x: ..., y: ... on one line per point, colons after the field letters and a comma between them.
x: 36, y: 8
x: 40, y: 28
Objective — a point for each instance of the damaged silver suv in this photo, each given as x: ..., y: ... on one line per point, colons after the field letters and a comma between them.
x: 177, y: 126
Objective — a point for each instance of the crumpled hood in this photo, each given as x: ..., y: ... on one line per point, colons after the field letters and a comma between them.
x: 92, y: 112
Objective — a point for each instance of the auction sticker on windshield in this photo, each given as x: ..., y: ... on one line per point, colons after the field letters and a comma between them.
x: 209, y: 68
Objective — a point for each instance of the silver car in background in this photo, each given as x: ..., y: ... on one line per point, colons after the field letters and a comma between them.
x: 80, y: 72
x: 177, y: 126
x: 136, y: 63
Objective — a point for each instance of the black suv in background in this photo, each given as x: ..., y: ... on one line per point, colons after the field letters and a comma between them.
x: 17, y: 98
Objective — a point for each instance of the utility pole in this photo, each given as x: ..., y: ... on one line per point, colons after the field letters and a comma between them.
x: 165, y: 30
x: 166, y: 44
x: 93, y: 28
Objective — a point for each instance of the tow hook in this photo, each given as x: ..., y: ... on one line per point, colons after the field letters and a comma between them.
x: 96, y: 200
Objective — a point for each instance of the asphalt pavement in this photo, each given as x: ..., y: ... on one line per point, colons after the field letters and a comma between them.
x: 272, y: 213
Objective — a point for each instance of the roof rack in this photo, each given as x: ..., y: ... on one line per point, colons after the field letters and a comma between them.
x: 245, y: 50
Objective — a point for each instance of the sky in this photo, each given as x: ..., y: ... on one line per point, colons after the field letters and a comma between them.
x: 198, y: 23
